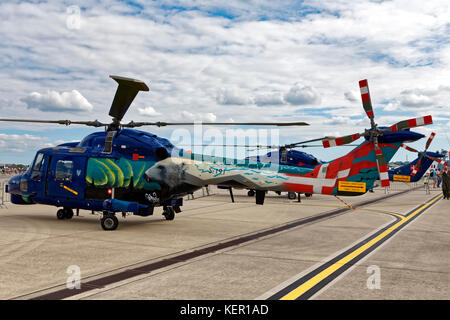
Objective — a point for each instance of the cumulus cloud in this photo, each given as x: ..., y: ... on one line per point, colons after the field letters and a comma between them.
x: 189, y: 116
x: 392, y: 105
x: 148, y: 111
x: 415, y: 100
x: 338, y: 121
x: 232, y: 97
x: 269, y: 99
x: 52, y: 101
x: 188, y: 51
x: 22, y: 143
x: 302, y: 94
x: 350, y: 96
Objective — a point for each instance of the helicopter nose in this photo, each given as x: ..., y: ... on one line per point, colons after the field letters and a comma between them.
x: 14, y: 183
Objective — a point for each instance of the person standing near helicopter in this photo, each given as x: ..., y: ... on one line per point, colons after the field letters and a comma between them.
x: 432, y: 178
x: 439, y: 177
x: 446, y: 183
x: 426, y: 184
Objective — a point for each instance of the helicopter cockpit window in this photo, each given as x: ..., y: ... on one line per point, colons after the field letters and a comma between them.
x: 64, y: 169
x: 38, y: 164
x: 39, y: 161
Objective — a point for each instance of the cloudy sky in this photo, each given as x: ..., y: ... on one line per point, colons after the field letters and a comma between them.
x: 224, y: 61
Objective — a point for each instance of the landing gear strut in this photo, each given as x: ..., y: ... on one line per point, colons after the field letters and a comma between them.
x: 109, y: 221
x: 65, y: 213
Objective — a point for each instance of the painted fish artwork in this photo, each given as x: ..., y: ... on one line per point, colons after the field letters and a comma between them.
x: 119, y: 173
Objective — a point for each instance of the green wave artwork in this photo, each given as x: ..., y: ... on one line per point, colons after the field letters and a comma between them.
x: 119, y: 173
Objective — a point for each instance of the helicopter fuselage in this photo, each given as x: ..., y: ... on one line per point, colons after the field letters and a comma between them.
x: 141, y: 171
x: 82, y: 175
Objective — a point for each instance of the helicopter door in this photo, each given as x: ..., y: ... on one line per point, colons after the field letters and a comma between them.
x: 66, y: 177
x: 38, y: 172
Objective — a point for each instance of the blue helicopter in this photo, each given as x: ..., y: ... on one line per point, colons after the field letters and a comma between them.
x: 125, y: 170
x: 286, y: 155
x: 105, y: 172
x: 411, y: 172
x: 414, y: 171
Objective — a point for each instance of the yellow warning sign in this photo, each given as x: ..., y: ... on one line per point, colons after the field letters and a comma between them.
x: 398, y: 177
x: 352, y: 186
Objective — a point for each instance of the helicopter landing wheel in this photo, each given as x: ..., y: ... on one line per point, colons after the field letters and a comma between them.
x: 109, y: 222
x: 60, y: 214
x: 251, y: 193
x: 68, y: 213
x: 292, y: 195
x: 308, y: 195
x: 169, y: 213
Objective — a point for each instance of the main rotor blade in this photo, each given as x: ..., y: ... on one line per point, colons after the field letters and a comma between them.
x: 367, y: 103
x: 424, y: 154
x: 412, y: 123
x: 438, y: 160
x: 409, y: 148
x: 414, y: 168
x: 429, y: 141
x: 133, y: 124
x: 230, y: 145
x: 260, y: 146
x: 125, y: 94
x: 319, y: 145
x: 64, y: 122
x: 382, y: 165
x: 341, y: 141
x: 312, y: 140
x: 419, y: 162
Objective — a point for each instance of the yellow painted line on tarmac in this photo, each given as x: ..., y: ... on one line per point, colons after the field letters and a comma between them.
x: 297, y: 292
x: 387, y: 212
